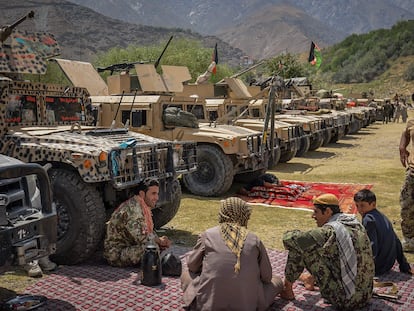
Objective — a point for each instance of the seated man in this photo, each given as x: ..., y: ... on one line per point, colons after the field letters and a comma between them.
x: 131, y: 226
x: 229, y: 268
x: 337, y: 254
x: 386, y: 246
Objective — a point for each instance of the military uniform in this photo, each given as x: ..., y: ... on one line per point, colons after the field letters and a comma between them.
x: 407, y: 194
x: 127, y: 234
x: 317, y: 251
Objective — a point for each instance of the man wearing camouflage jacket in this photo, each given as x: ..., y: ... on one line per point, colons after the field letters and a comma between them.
x: 337, y: 255
x: 131, y: 225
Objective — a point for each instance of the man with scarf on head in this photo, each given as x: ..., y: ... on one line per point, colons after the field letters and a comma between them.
x: 229, y: 268
x: 337, y: 255
x: 131, y: 226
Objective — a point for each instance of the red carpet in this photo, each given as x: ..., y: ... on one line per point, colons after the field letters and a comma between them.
x: 299, y: 194
x: 97, y: 286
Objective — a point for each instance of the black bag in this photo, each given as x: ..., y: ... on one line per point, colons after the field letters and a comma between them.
x: 171, y: 265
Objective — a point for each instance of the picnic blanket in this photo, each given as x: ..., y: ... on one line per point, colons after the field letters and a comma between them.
x: 299, y: 194
x: 97, y: 286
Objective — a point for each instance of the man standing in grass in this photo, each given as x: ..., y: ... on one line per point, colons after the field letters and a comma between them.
x: 407, y: 190
x: 337, y: 254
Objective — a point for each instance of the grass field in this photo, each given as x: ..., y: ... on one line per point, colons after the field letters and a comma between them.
x: 370, y: 157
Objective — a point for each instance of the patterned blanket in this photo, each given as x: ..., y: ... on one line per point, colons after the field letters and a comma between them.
x: 97, y: 286
x: 299, y: 194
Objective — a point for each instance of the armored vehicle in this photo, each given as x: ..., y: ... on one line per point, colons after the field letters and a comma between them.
x: 93, y: 169
x: 146, y: 103
x: 28, y: 221
x: 229, y: 102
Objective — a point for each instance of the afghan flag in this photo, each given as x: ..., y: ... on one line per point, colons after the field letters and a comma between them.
x: 214, y: 58
x: 315, y: 57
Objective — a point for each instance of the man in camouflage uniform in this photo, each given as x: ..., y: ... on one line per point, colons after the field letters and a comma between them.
x: 130, y: 227
x: 337, y: 255
x: 407, y: 190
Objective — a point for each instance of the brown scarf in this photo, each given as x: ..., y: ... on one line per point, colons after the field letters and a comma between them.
x: 146, y: 211
x: 233, y: 216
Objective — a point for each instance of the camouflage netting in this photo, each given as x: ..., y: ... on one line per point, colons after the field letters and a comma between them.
x: 174, y: 116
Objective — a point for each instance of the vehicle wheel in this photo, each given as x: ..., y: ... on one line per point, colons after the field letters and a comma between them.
x: 317, y: 142
x: 304, y: 144
x: 214, y: 174
x: 327, y: 136
x: 276, y: 158
x: 81, y: 217
x: 163, y: 214
x: 354, y: 128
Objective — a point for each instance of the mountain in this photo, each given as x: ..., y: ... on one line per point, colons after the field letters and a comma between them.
x: 82, y: 32
x: 276, y: 29
x: 252, y: 25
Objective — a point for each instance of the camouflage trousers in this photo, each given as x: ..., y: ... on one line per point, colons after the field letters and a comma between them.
x: 407, y: 205
x: 124, y: 257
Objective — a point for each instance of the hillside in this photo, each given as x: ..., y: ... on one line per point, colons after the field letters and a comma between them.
x: 277, y: 29
x: 82, y: 32
x: 261, y: 27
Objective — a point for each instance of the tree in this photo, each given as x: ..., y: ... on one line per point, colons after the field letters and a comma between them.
x: 181, y: 52
x: 285, y: 65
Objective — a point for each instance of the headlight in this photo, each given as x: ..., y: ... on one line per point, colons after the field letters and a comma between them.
x: 34, y: 192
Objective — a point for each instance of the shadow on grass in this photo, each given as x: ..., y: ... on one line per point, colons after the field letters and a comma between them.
x: 180, y: 237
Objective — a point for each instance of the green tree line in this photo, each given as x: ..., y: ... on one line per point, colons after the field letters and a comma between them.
x: 358, y: 58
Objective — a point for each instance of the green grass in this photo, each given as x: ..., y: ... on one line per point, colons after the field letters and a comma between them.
x: 369, y: 157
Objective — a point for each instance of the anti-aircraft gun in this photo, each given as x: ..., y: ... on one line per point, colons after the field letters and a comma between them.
x: 6, y: 31
x: 92, y: 169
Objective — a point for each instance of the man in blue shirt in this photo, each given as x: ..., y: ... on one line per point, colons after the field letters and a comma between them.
x: 386, y: 246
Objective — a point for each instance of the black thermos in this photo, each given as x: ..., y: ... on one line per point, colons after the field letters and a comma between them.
x: 151, y: 266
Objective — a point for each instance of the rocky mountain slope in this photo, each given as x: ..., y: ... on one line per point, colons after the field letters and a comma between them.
x: 82, y: 32
x: 263, y: 27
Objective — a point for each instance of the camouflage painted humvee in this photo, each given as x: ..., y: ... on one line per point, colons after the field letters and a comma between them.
x: 93, y: 169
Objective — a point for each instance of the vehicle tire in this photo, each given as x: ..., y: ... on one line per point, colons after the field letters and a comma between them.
x: 163, y: 214
x: 214, y: 174
x: 327, y: 136
x: 276, y: 158
x: 81, y: 217
x: 287, y: 156
x: 317, y: 142
x: 304, y: 144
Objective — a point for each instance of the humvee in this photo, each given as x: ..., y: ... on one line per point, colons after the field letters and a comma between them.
x: 28, y: 221
x: 229, y: 102
x: 141, y: 102
x: 93, y: 169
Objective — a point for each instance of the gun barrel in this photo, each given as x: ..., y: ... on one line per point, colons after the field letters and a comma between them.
x: 6, y: 31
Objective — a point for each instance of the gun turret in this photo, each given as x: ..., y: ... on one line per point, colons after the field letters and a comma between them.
x: 6, y: 31
x: 238, y: 74
x: 120, y: 66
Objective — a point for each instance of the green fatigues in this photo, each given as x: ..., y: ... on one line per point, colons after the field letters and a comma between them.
x: 317, y: 251
x: 407, y: 191
x: 126, y: 235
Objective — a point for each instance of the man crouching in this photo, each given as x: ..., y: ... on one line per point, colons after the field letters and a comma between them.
x: 337, y: 254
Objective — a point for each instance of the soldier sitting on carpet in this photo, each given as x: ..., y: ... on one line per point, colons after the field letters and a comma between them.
x: 337, y: 254
x: 386, y: 246
x: 131, y: 225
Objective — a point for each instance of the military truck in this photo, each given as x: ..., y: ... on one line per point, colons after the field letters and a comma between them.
x: 230, y: 102
x: 93, y: 169
x: 28, y: 221
x: 140, y: 102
